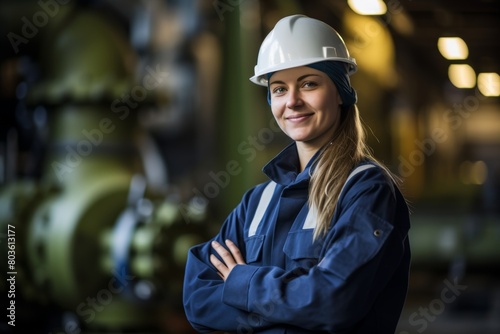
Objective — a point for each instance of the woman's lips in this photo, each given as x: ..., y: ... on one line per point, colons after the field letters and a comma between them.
x: 298, y: 118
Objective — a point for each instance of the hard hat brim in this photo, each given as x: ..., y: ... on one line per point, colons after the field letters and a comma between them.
x: 260, y: 78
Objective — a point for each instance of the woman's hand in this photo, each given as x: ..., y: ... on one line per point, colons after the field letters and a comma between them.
x: 229, y: 258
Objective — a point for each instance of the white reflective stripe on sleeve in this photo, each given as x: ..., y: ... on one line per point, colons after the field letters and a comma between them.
x: 310, y: 221
x: 265, y: 199
x: 354, y: 172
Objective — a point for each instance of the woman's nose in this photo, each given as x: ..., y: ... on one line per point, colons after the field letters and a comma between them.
x: 294, y: 99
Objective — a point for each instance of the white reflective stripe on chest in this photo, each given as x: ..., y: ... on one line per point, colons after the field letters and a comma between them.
x: 267, y: 194
x: 265, y: 199
x: 311, y: 220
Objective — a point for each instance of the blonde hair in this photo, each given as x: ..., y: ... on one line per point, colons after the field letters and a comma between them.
x: 334, y: 164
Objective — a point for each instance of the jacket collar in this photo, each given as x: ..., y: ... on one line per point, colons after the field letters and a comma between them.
x: 284, y: 168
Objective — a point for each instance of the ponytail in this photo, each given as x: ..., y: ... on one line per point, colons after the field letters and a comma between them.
x: 334, y: 164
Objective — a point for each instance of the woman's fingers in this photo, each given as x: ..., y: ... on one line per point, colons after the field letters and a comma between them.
x: 229, y: 258
x: 222, y: 269
x: 224, y: 254
x: 235, y: 252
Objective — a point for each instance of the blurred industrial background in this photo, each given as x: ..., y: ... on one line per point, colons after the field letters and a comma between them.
x: 129, y: 130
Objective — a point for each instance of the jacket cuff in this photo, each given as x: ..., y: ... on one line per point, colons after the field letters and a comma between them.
x: 237, y: 285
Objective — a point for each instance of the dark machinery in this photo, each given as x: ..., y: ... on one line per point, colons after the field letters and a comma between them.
x: 98, y: 247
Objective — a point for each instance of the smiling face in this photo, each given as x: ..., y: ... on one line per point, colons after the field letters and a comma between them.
x: 306, y: 105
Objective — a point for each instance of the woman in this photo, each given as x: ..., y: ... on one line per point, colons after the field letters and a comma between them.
x: 322, y: 247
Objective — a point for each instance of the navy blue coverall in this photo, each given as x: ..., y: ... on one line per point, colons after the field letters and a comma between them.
x: 352, y: 280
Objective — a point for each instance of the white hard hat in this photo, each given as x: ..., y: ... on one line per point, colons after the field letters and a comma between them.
x: 299, y: 40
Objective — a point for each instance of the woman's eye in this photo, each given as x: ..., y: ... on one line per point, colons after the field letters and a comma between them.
x: 278, y: 90
x: 309, y: 84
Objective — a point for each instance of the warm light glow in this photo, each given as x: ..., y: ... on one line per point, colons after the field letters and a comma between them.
x: 489, y: 84
x: 473, y: 172
x: 479, y: 172
x: 368, y: 7
x: 462, y: 76
x: 453, y: 48
x: 374, y: 51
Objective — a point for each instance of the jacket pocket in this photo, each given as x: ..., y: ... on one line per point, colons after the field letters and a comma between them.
x: 254, y: 248
x: 358, y: 243
x: 300, y: 249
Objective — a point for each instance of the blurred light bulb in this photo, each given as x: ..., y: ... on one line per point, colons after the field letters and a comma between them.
x: 462, y: 75
x: 453, y: 48
x: 489, y: 84
x: 368, y: 7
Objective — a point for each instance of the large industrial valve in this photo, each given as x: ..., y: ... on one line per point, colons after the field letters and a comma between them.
x: 107, y: 257
x: 98, y: 246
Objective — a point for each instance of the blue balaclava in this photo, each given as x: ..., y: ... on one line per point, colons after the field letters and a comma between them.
x: 337, y: 72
